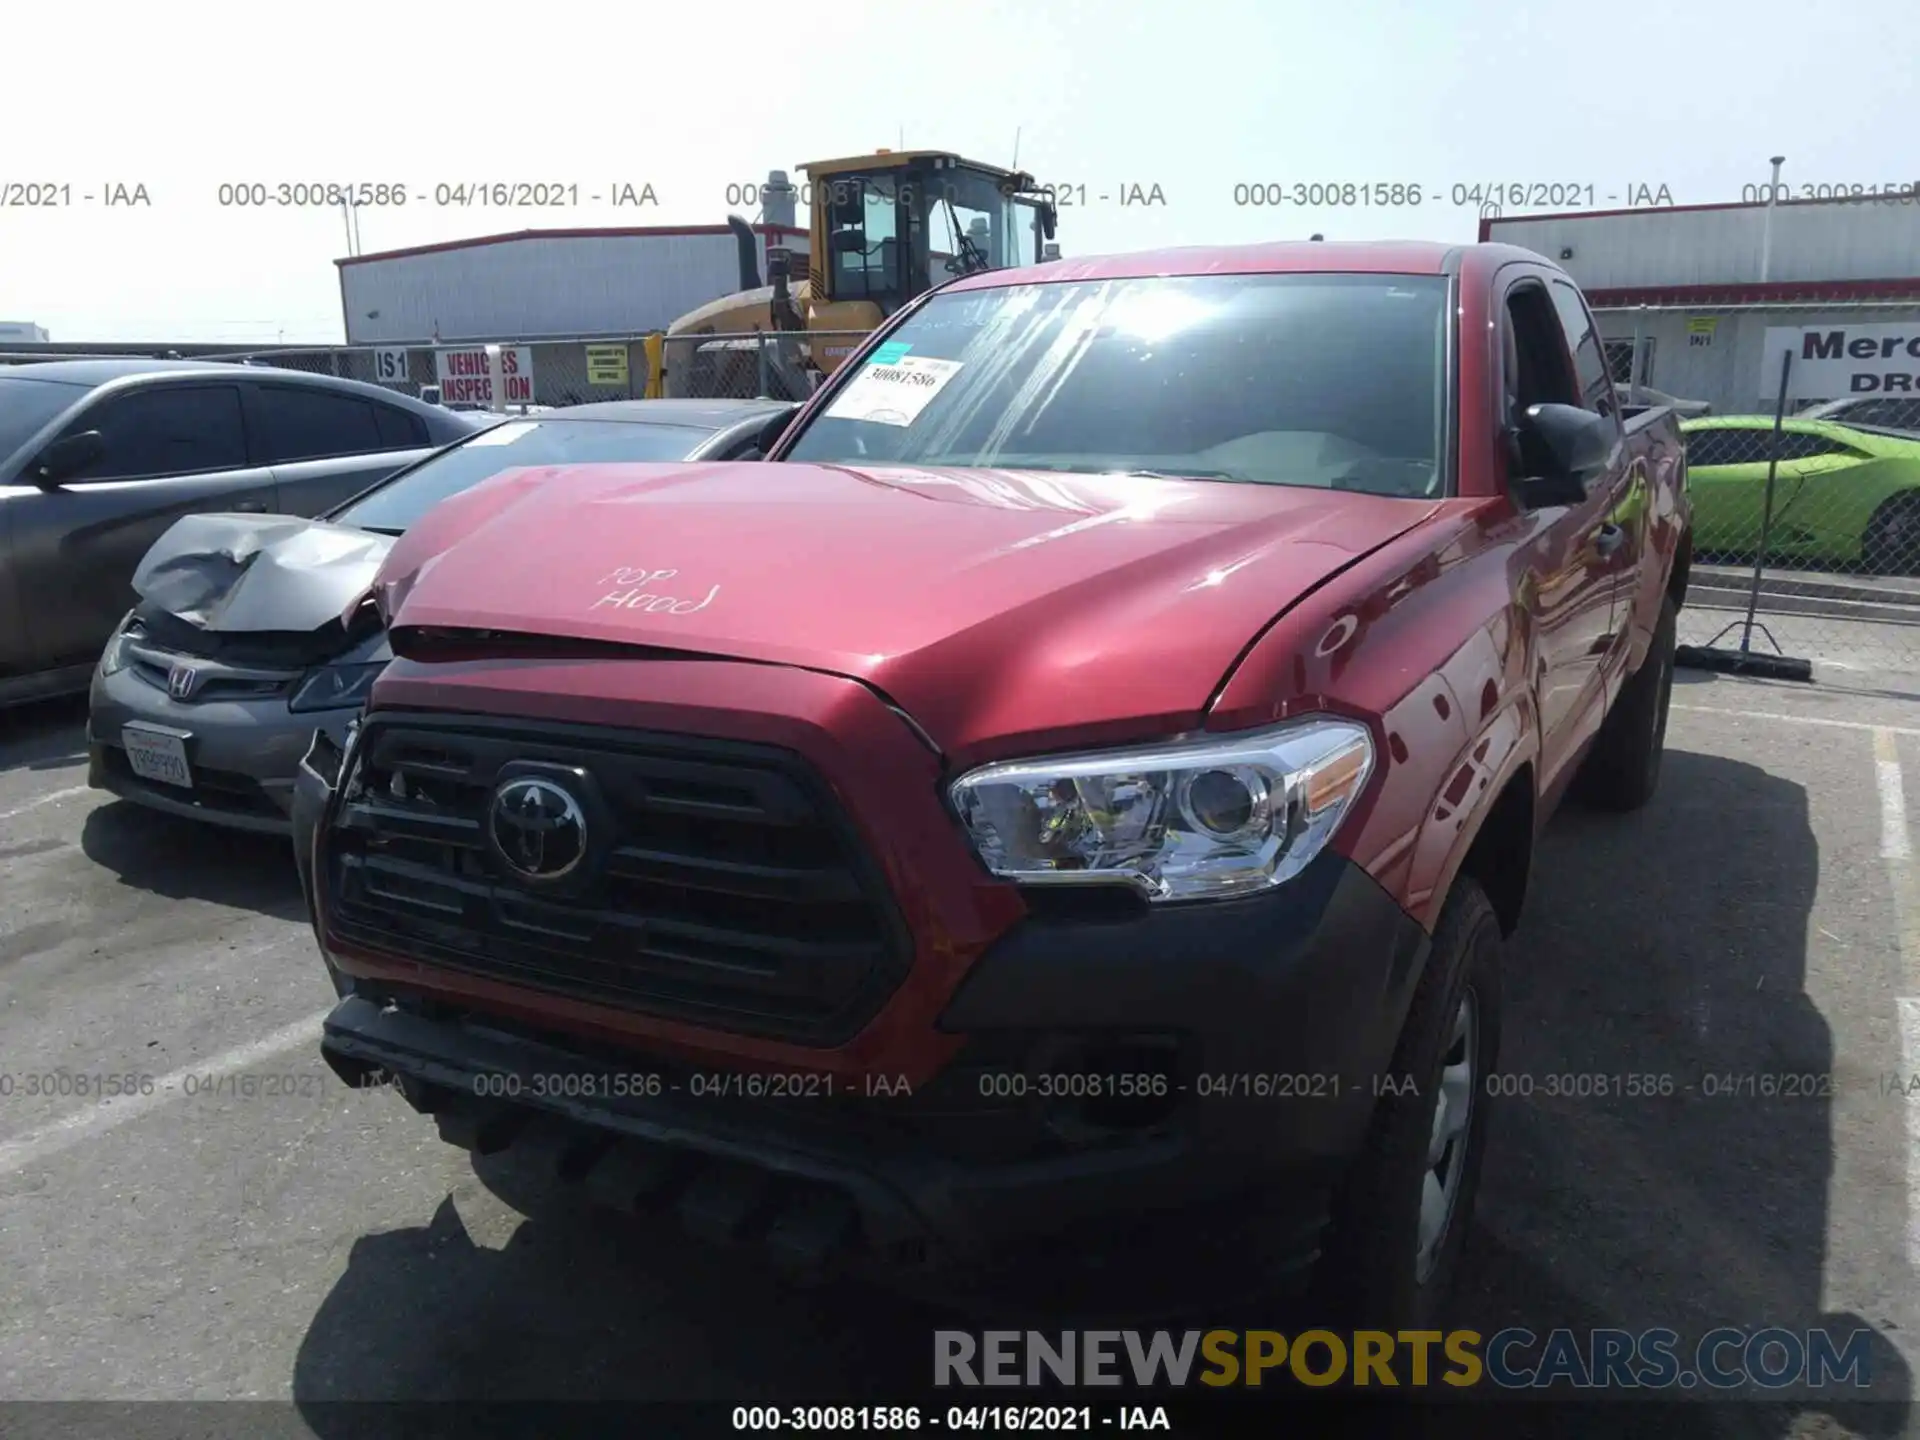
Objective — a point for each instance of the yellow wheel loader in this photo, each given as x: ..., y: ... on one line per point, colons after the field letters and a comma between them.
x: 885, y: 228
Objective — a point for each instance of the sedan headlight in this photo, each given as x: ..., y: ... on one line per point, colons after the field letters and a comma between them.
x: 334, y: 687
x: 1209, y: 818
x: 118, y: 654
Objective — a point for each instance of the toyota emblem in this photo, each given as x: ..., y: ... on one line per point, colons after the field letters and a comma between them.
x: 537, y: 828
x: 180, y: 681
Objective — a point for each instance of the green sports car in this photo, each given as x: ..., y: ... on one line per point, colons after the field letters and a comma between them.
x: 1844, y: 495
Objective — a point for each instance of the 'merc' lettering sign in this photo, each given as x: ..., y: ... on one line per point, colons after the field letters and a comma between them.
x: 1830, y: 361
x: 464, y: 377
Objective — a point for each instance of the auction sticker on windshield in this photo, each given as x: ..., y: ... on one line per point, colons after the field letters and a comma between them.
x: 894, y: 393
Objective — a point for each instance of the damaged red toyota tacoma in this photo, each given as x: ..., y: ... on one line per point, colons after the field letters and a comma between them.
x: 1072, y: 794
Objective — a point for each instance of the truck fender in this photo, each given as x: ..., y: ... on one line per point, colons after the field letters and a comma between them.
x: 1456, y: 740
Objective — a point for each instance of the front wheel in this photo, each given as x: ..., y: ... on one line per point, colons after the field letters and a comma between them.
x: 1401, y: 1218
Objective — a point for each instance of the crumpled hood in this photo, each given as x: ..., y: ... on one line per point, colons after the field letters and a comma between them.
x: 240, y: 573
x: 986, y: 603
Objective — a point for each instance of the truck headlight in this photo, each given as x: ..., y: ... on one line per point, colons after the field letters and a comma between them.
x: 1215, y: 817
x: 334, y: 687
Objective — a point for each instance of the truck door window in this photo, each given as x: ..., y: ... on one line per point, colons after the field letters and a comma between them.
x: 1537, y: 369
x: 1537, y: 361
x: 1583, y: 343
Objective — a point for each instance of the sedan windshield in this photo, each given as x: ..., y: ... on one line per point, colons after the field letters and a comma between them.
x: 27, y: 404
x: 1336, y: 381
x: 395, y: 505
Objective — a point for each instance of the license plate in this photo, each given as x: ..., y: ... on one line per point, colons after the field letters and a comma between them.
x: 157, y: 755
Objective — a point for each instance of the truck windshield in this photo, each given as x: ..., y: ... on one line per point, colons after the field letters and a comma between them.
x: 1336, y: 381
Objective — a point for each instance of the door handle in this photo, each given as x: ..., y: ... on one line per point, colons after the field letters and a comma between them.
x: 1609, y: 538
x: 251, y: 507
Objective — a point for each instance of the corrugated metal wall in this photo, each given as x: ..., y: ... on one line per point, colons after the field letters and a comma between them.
x: 553, y: 284
x: 1726, y: 370
x: 1811, y: 242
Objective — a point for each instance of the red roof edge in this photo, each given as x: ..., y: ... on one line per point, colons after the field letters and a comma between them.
x: 1894, y: 291
x: 440, y: 247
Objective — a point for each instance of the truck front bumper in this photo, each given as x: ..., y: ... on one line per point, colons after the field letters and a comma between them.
x: 1202, y: 1072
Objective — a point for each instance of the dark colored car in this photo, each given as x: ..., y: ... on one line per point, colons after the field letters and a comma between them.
x: 1072, y: 797
x: 242, y: 646
x: 99, y: 457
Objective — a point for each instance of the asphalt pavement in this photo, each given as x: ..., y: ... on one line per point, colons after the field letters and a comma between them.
x: 241, y: 1226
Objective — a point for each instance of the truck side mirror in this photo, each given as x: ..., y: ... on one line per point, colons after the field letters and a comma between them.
x: 68, y: 455
x: 1560, y: 448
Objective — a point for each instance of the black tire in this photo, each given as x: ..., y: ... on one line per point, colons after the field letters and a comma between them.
x: 1891, y: 545
x: 1369, y: 1275
x: 1622, y: 771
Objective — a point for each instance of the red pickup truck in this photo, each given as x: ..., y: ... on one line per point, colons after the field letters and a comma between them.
x: 1072, y: 793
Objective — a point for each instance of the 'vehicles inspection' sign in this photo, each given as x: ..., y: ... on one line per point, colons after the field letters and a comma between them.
x: 1833, y: 361
x: 463, y: 375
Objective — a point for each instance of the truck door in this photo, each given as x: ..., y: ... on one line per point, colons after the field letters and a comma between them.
x: 1622, y: 540
x: 1568, y: 582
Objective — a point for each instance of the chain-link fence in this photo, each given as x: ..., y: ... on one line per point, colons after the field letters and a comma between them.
x: 783, y: 365
x: 1826, y: 557
x: 551, y: 372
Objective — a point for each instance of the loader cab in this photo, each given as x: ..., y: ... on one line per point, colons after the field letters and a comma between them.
x: 889, y: 226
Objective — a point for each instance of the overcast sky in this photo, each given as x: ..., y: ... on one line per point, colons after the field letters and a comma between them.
x: 1194, y: 98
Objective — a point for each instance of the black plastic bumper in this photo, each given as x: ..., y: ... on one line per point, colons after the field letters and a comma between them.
x: 1268, y: 1022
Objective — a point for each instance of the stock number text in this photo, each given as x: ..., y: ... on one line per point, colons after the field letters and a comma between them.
x: 1880, y: 192
x: 1378, y: 194
x: 1074, y: 1085
x: 310, y: 194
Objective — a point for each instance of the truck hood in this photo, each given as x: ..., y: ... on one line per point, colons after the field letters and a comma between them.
x: 988, y: 604
x: 261, y: 583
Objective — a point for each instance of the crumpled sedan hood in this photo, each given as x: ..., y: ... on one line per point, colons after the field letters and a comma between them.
x: 987, y: 604
x: 236, y: 573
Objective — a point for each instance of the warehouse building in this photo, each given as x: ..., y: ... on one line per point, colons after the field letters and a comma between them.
x: 1692, y: 289
x: 567, y: 305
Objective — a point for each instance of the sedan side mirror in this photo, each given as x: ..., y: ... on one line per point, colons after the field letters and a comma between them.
x: 1559, y: 449
x: 68, y: 455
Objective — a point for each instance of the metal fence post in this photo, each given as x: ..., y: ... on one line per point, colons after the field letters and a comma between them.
x: 760, y: 354
x: 1766, y: 513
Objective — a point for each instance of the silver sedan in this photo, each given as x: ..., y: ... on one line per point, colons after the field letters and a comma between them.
x: 213, y: 686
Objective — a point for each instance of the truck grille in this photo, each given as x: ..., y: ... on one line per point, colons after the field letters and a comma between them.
x: 723, y: 885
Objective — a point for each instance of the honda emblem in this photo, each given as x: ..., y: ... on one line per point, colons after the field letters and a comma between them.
x: 180, y: 681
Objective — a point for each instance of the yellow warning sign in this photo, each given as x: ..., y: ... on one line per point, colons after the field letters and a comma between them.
x: 606, y: 365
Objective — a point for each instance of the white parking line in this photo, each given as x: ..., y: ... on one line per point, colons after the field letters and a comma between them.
x: 1895, y: 844
x: 1910, y: 1054
x: 1896, y: 847
x: 46, y: 799
x: 1795, y: 719
x: 106, y: 1115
